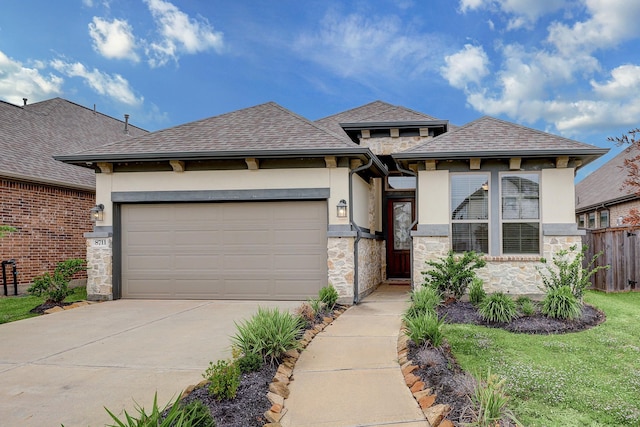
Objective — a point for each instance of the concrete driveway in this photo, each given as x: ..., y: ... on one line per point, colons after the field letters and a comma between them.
x: 64, y: 368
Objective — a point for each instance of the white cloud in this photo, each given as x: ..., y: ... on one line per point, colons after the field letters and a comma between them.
x: 522, y: 13
x: 624, y: 83
x: 469, y: 65
x: 466, y: 5
x: 362, y: 47
x: 113, y: 40
x: 180, y: 33
x: 18, y: 81
x: 610, y: 22
x: 114, y: 86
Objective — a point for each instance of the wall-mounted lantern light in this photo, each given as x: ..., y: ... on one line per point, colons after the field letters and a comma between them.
x: 97, y: 212
x: 341, y: 209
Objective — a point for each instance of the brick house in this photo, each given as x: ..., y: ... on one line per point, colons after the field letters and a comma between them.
x: 601, y: 199
x: 48, y: 202
x: 261, y: 203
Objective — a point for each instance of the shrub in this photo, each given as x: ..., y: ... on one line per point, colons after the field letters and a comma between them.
x: 498, y: 308
x: 561, y: 303
x: 425, y: 328
x: 306, y: 312
x: 55, y: 287
x: 423, y: 301
x: 249, y: 362
x: 4, y: 229
x: 194, y: 414
x: 525, y: 305
x: 476, y: 291
x: 329, y: 296
x: 317, y: 306
x: 451, y: 275
x: 269, y: 333
x: 568, y: 271
x: 225, y: 379
x: 491, y: 402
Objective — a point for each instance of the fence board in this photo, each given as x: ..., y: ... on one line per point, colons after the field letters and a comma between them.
x: 620, y: 248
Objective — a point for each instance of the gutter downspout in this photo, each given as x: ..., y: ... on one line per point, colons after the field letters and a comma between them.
x: 415, y: 221
x: 355, y: 227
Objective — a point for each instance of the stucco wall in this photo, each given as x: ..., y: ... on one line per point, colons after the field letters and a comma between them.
x: 557, y: 196
x: 433, y: 200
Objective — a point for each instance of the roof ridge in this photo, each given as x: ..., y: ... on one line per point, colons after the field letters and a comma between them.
x: 352, y: 109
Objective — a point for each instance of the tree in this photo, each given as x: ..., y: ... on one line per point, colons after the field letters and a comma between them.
x: 632, y: 166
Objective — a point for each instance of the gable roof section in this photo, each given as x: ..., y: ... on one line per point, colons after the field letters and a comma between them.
x: 263, y: 131
x: 489, y: 137
x: 30, y: 135
x: 374, y: 112
x: 604, y: 185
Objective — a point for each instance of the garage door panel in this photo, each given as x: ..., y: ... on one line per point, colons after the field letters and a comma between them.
x: 255, y: 250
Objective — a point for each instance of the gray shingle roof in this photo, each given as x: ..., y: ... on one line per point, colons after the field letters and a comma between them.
x: 376, y: 111
x: 490, y: 137
x: 263, y: 129
x: 30, y: 135
x: 604, y: 185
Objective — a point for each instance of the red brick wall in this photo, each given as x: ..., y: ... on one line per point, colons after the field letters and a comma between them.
x: 50, y: 221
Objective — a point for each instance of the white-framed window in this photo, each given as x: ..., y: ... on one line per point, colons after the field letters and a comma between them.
x: 469, y: 207
x: 604, y: 219
x: 520, y: 213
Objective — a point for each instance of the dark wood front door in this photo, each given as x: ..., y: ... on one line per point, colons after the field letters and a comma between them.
x: 400, y: 216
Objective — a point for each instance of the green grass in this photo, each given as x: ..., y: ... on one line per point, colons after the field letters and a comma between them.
x: 17, y: 308
x: 588, y: 378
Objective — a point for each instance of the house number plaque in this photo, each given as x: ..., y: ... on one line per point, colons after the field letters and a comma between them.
x: 100, y: 243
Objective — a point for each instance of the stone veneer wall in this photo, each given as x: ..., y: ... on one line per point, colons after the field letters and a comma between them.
x: 370, y: 265
x: 514, y: 274
x: 387, y: 145
x: 99, y: 267
x: 340, y: 266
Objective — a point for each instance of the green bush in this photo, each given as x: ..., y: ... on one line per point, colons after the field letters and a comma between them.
x: 498, y: 307
x: 568, y: 271
x: 423, y: 301
x: 4, y: 229
x: 452, y: 275
x: 561, y: 303
x: 329, y: 296
x: 249, y: 362
x: 225, y: 379
x: 476, y: 291
x: 194, y: 414
x: 317, y: 305
x: 491, y: 402
x: 269, y: 333
x: 55, y: 287
x: 425, y: 328
x: 526, y: 306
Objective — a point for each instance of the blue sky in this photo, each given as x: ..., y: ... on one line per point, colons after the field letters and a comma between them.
x: 570, y: 67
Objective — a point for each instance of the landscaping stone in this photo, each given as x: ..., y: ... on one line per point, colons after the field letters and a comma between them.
x: 275, y: 417
x: 411, y: 379
x: 52, y: 310
x: 422, y: 393
x: 275, y: 399
x: 427, y: 401
x: 280, y: 389
x: 409, y: 368
x: 419, y: 385
x: 435, y: 414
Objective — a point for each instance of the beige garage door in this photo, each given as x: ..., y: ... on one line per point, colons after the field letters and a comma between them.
x: 252, y: 250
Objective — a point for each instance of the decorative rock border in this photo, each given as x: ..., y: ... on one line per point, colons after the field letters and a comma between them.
x: 76, y: 304
x: 435, y: 414
x: 279, y: 387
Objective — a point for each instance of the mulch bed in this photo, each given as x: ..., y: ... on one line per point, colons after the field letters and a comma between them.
x: 439, y: 370
x: 47, y: 305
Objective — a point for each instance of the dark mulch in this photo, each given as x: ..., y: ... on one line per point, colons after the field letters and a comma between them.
x: 47, y: 305
x: 439, y: 370
x: 249, y: 405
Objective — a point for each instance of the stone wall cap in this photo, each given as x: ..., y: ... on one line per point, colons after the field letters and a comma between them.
x: 98, y: 234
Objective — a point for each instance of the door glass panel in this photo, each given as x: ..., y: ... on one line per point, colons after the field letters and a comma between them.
x: 401, y: 225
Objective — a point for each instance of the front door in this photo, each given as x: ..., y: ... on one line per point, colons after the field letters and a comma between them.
x: 400, y: 216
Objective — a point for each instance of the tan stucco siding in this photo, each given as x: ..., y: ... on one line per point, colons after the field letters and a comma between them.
x: 336, y: 179
x: 433, y: 200
x: 360, y: 201
x: 557, y: 196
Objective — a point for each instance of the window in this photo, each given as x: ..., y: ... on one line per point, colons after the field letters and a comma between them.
x: 580, y: 221
x: 469, y: 206
x: 520, y: 213
x: 592, y: 220
x: 604, y: 219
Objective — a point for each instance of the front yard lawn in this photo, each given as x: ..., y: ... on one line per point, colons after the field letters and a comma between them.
x: 588, y: 378
x: 16, y: 308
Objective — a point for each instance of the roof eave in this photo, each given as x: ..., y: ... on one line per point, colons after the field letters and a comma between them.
x: 394, y: 124
x: 590, y: 154
x: 608, y: 203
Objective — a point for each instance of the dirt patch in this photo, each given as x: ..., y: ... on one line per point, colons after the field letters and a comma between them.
x: 439, y: 370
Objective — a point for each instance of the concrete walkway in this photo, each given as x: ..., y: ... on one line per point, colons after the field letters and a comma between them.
x: 349, y: 375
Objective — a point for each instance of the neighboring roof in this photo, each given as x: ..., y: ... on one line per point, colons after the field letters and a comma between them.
x: 489, y: 137
x: 263, y: 131
x: 31, y: 134
x: 373, y: 112
x: 605, y: 184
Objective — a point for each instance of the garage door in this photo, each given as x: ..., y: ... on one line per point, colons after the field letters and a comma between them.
x: 252, y: 250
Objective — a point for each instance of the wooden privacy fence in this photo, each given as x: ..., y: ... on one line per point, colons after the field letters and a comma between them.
x: 620, y: 248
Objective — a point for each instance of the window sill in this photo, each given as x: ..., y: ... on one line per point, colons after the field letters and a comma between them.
x: 512, y: 258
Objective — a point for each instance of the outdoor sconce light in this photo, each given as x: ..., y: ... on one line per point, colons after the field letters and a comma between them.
x: 342, y: 209
x: 97, y: 212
